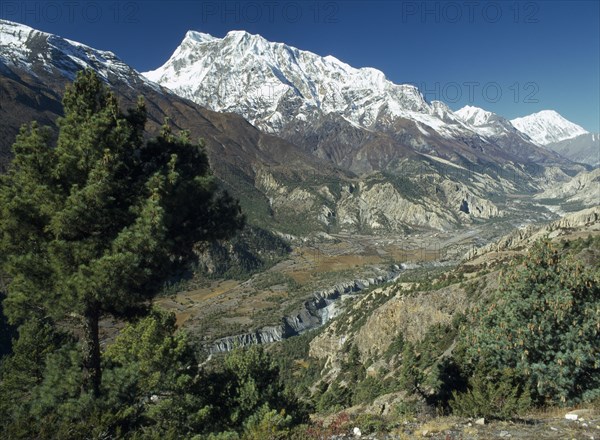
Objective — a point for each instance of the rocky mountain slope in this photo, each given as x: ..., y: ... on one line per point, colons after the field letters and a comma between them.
x: 583, y: 189
x: 496, y: 128
x: 418, y: 308
x: 584, y: 148
x: 399, y: 163
x: 583, y: 222
x: 35, y: 67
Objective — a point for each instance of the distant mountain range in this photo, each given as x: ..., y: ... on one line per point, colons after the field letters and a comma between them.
x: 327, y: 147
x: 584, y: 148
x: 303, y: 97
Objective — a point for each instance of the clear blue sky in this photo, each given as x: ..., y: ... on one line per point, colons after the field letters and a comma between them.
x: 513, y: 58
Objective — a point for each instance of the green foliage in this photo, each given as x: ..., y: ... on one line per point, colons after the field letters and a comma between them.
x: 245, y: 391
x: 370, y: 423
x: 94, y: 224
x: 335, y: 398
x: 250, y: 251
x: 89, y: 226
x: 473, y: 289
x: 255, y: 382
x: 395, y: 347
x: 411, y: 373
x: 225, y: 435
x: 43, y: 376
x: 267, y: 424
x: 151, y: 376
x: 7, y: 331
x: 406, y: 408
x: 493, y: 397
x: 446, y: 378
x: 368, y: 390
x: 298, y: 371
x: 152, y: 349
x: 152, y: 389
x: 542, y: 323
x: 23, y: 370
x: 340, y: 394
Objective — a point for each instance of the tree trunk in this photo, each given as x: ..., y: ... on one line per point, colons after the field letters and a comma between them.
x: 92, y: 374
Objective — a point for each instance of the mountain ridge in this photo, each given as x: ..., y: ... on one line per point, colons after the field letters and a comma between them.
x: 398, y: 175
x: 288, y: 91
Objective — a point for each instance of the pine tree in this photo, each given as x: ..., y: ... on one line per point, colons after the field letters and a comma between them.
x: 93, y: 225
x: 411, y: 375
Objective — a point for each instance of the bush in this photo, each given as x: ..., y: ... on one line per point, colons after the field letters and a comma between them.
x: 339, y: 426
x: 226, y: 435
x: 268, y: 424
x: 492, y: 397
x: 370, y: 423
x: 542, y: 323
x: 368, y: 390
x: 246, y: 394
x: 336, y: 397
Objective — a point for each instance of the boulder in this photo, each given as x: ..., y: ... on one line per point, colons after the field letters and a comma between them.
x: 579, y: 414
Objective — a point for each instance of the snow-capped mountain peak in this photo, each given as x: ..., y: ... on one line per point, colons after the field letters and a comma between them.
x: 547, y: 126
x: 288, y: 91
x: 489, y: 124
x: 474, y: 115
x: 24, y: 47
x: 199, y: 37
x: 272, y: 83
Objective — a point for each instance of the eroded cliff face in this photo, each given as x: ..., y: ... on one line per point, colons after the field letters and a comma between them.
x: 409, y: 316
x: 377, y: 204
x: 582, y: 221
x: 284, y: 197
x: 583, y: 188
x: 372, y: 328
x: 381, y: 206
x: 474, y: 205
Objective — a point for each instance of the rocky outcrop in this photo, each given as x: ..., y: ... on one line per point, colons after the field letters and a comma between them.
x: 281, y: 196
x: 377, y: 203
x: 440, y: 204
x: 263, y: 336
x: 587, y: 219
x: 466, y: 201
x: 382, y: 206
x: 583, y: 188
x: 409, y: 316
x: 314, y: 312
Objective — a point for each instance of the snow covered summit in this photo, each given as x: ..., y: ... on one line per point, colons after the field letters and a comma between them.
x: 547, y: 126
x: 271, y: 84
